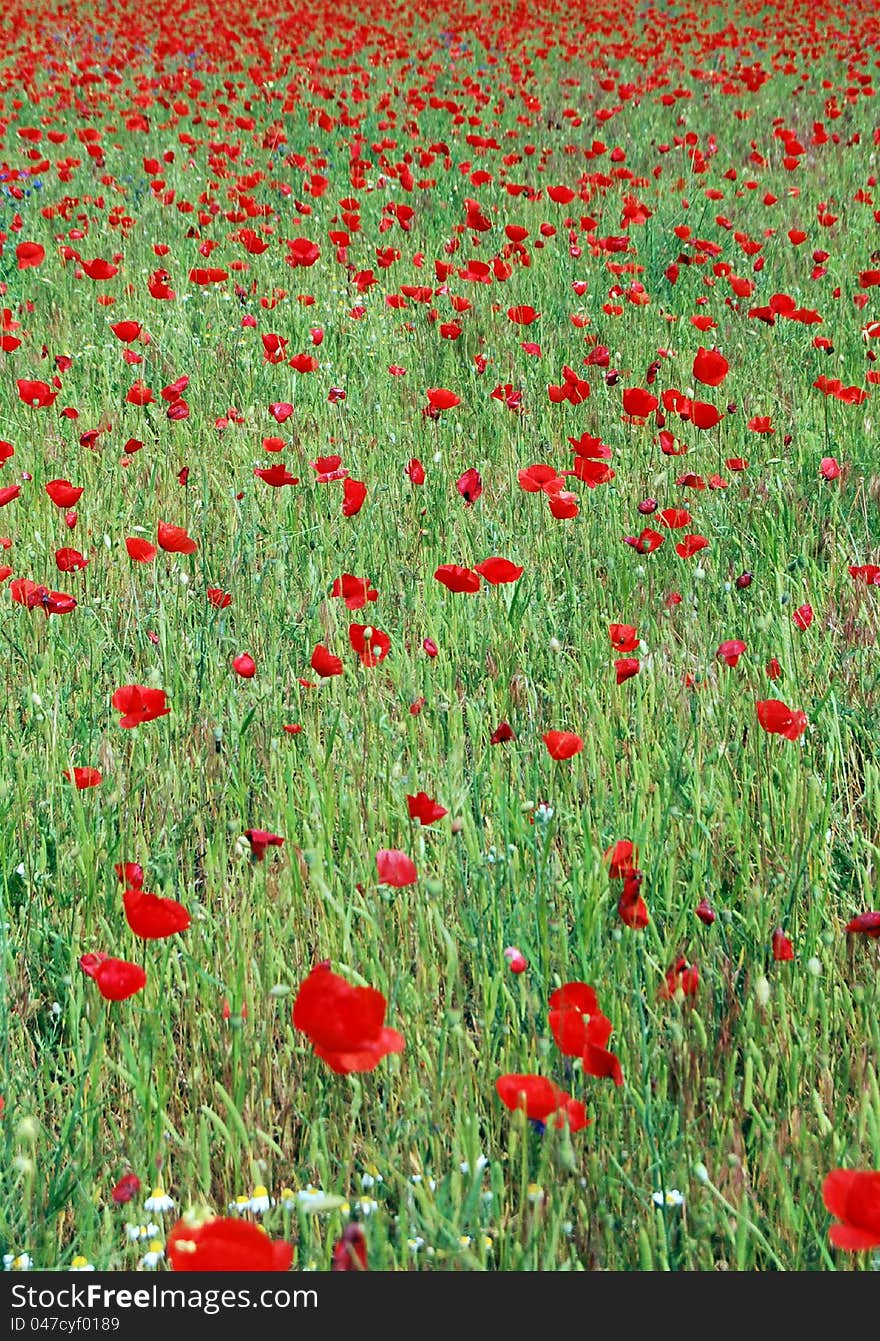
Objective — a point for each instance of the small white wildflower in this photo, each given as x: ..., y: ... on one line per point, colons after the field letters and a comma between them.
x: 159, y: 1201
x: 543, y: 813
x: 260, y: 1200
x: 366, y: 1205
x: 81, y: 1264
x: 153, y: 1256
x: 23, y: 1262
x: 672, y: 1197
x: 415, y: 1244
x: 241, y: 1204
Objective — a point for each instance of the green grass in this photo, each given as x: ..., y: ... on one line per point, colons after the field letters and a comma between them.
x: 742, y: 1100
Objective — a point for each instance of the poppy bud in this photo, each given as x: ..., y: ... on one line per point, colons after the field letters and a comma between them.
x: 731, y: 407
x: 744, y: 580
x: 647, y: 506
x: 516, y: 960
x: 705, y: 912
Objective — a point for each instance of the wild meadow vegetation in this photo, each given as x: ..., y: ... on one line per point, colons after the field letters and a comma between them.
x: 440, y: 556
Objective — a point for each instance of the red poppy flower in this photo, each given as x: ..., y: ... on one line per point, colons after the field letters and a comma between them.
x: 638, y: 402
x: 138, y: 704
x: 126, y: 1189
x: 140, y: 551
x: 244, y: 665
x: 130, y: 874
x: 29, y: 255
x: 705, y: 912
x: 541, y: 1099
x: 497, y: 571
x: 865, y: 924
x: 781, y: 946
x: 470, y: 486
x: 355, y: 591
x: 84, y: 777
x: 710, y: 367
x: 681, y: 977
x: 354, y: 493
x: 350, y: 1250
x: 780, y: 720
x: 424, y: 809
x: 730, y: 651
x: 345, y: 1024
x: 502, y: 733
x: 622, y: 859
x: 324, y: 663
x: 152, y: 917
x: 441, y: 399
x: 869, y: 573
x: 371, y: 645
x: 456, y: 578
x: 624, y: 637
x: 853, y: 1197
x: 802, y: 617
x: 117, y: 979
x: 226, y: 1244
x: 395, y: 868
x: 562, y: 744
x: 38, y: 395
x: 626, y: 668
x: 63, y: 494
x: 70, y: 561
x: 220, y: 599
x: 175, y: 540
x: 260, y: 839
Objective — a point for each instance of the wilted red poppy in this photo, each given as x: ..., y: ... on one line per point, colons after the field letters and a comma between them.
x: 226, y: 1244
x: 395, y: 868
x: 853, y: 1197
x: 138, y: 704
x: 153, y: 917
x: 562, y: 744
x: 540, y: 1099
x: 345, y: 1024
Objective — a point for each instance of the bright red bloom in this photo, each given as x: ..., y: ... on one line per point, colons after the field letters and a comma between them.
x: 38, y: 395
x: 138, y: 704
x: 371, y: 645
x: 562, y: 744
x: 220, y: 599
x: 624, y: 637
x: 63, y: 494
x: 470, y: 486
x: 626, y: 668
x: 731, y: 651
x: 441, y: 399
x: 456, y: 578
x: 780, y: 720
x: 260, y: 839
x: 140, y: 551
x: 802, y: 617
x: 153, y: 917
x: 622, y: 859
x: 424, y: 809
x: 710, y: 367
x: 541, y: 1099
x: 497, y: 571
x: 244, y: 665
x: 175, y: 540
x: 681, y: 977
x: 345, y: 1024
x: 117, y: 979
x: 323, y: 662
x: 70, y: 561
x: 395, y: 868
x: 355, y: 591
x: 354, y: 493
x: 84, y: 777
x: 781, y: 946
x: 853, y: 1197
x: 869, y: 573
x: 226, y: 1244
x: 502, y: 733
